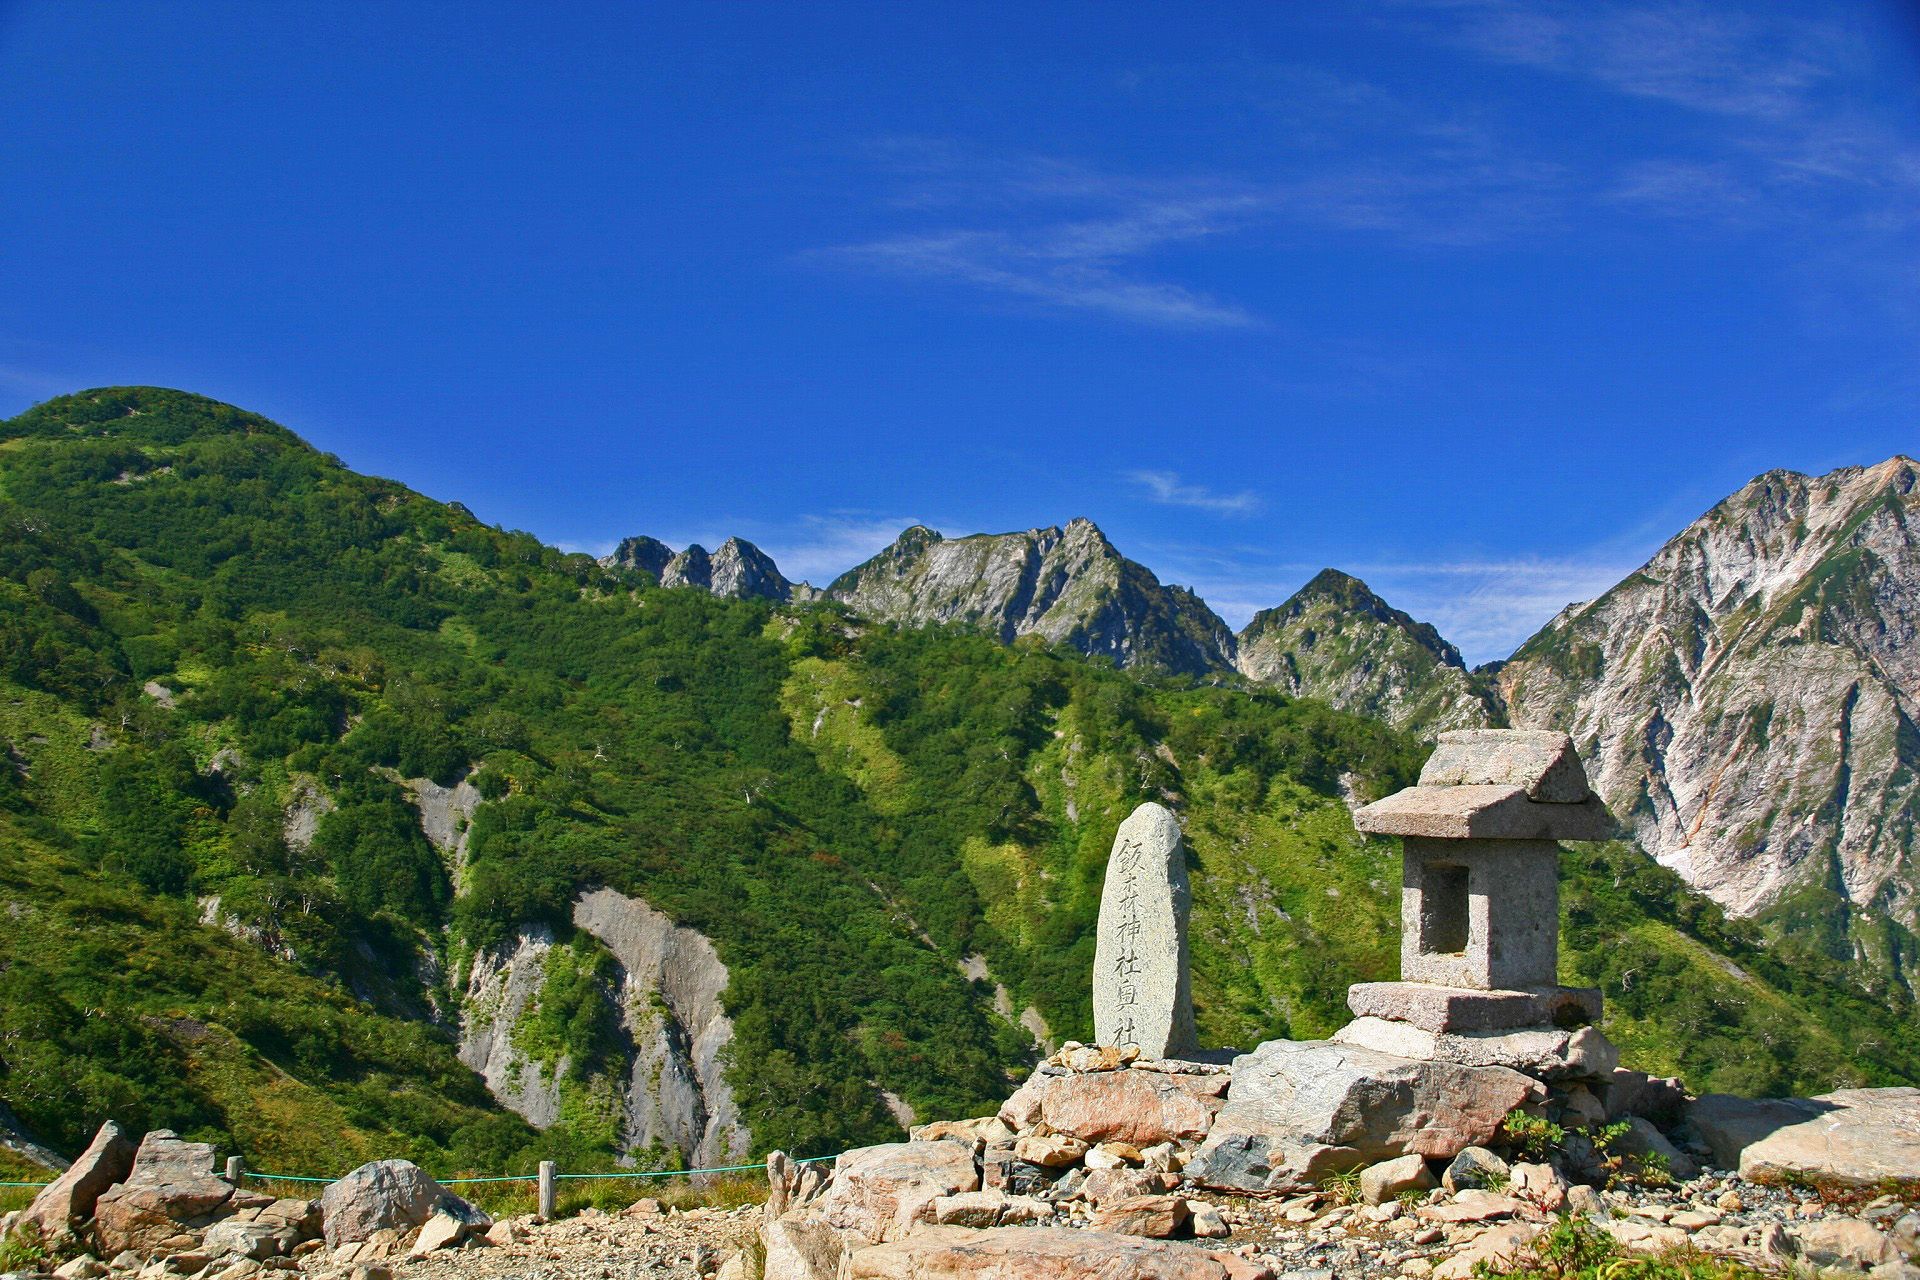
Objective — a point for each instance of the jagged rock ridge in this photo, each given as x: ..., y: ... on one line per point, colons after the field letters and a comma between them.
x: 738, y: 570
x: 1748, y: 698
x: 1068, y: 585
x: 1336, y: 640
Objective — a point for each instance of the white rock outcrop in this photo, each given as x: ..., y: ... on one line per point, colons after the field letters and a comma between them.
x: 665, y: 990
x: 1747, y: 701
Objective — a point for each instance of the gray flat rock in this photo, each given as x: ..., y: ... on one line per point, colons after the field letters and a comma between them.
x: 1300, y: 1110
x: 1541, y: 762
x: 1436, y: 1008
x: 1550, y: 1053
x: 1861, y: 1136
x: 1485, y: 811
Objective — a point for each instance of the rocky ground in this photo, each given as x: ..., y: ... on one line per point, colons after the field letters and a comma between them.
x: 1102, y: 1165
x: 1323, y: 1235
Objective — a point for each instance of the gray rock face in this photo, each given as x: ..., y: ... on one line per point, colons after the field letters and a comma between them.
x: 502, y: 986
x: 676, y: 1093
x: 1336, y: 640
x: 1141, y: 992
x: 1068, y: 585
x: 1300, y: 1110
x: 1747, y: 700
x: 444, y: 815
x: 648, y: 555
x: 13, y: 1135
x: 666, y: 991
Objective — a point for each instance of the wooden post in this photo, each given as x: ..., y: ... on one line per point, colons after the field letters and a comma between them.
x: 236, y: 1169
x: 546, y: 1190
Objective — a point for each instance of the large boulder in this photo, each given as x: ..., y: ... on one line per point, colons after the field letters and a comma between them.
x: 876, y: 1194
x: 387, y: 1195
x: 880, y: 1192
x: 70, y: 1198
x: 1858, y: 1136
x: 1044, y: 1253
x: 1302, y: 1110
x: 171, y: 1189
x: 1131, y: 1105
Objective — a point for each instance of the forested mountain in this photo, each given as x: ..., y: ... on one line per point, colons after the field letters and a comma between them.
x: 1748, y: 702
x: 300, y: 763
x: 1336, y: 640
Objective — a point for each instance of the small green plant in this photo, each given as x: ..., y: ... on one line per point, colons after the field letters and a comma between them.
x: 1411, y: 1199
x: 1606, y: 1135
x: 1576, y: 1249
x: 1343, y: 1188
x: 1653, y: 1170
x: 21, y: 1250
x: 1534, y: 1137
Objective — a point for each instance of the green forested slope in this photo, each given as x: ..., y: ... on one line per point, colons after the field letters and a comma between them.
x: 849, y: 811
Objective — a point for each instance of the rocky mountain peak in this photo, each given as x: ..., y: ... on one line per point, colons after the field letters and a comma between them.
x: 648, y: 555
x: 1067, y: 584
x: 1335, y: 639
x: 738, y: 570
x: 1750, y: 695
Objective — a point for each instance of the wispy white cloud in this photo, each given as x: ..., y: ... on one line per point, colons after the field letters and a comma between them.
x: 1079, y: 263
x: 1167, y: 489
x: 819, y: 548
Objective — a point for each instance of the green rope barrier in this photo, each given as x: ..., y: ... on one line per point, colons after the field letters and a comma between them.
x: 25, y: 1184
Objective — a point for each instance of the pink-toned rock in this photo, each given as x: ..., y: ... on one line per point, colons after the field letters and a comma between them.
x: 1103, y: 1185
x: 1140, y: 1108
x: 1540, y: 1184
x: 1156, y: 1217
x: 880, y: 1192
x: 1500, y: 1246
x: 1051, y: 1151
x: 977, y: 1132
x: 171, y: 1189
x: 70, y: 1197
x: 1471, y: 1206
x: 1044, y: 1253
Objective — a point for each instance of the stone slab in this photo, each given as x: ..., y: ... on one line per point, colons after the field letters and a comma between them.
x: 1490, y: 811
x: 1859, y: 1136
x: 1442, y: 1009
x: 1549, y: 1053
x: 1541, y: 762
x: 1044, y: 1253
x: 1141, y: 992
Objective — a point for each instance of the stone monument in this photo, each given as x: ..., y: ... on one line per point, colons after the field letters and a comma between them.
x: 1480, y: 910
x: 1141, y: 994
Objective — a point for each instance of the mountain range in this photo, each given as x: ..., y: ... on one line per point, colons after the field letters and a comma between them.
x: 339, y: 824
x: 1748, y: 698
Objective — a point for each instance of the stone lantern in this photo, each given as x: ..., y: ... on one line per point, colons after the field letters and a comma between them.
x: 1480, y: 909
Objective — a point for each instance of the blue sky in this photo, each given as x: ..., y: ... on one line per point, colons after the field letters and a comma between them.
x: 1478, y: 299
